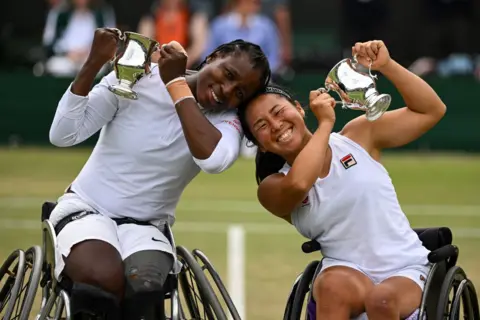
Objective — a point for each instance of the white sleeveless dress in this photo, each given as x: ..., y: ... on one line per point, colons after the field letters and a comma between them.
x: 355, y: 215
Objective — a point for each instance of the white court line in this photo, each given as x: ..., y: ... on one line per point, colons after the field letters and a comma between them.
x: 248, y: 206
x: 222, y: 227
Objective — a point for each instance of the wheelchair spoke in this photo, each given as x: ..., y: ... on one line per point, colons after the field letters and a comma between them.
x: 213, y: 276
x: 5, y: 302
x: 7, y: 288
x: 196, y: 295
x: 18, y: 304
x: 196, y: 307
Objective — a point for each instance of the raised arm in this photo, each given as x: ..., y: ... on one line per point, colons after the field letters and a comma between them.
x: 424, y: 109
x: 201, y: 135
x: 82, y: 111
x: 281, y: 194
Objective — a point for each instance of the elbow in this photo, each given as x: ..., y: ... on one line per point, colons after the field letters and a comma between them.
x: 222, y: 158
x: 442, y: 110
x: 216, y: 163
x: 59, y: 141
x: 439, y: 112
x: 212, y: 167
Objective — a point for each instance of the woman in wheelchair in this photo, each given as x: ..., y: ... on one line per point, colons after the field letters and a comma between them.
x: 332, y: 188
x: 112, y: 242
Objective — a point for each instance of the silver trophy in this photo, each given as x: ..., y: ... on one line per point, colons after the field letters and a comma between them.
x: 132, y: 63
x: 357, y: 89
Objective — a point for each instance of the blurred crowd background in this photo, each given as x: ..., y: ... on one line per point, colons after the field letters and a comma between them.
x: 428, y: 36
x: 303, y: 39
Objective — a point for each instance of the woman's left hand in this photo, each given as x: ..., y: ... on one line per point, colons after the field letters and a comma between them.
x: 372, y: 51
x: 172, y: 62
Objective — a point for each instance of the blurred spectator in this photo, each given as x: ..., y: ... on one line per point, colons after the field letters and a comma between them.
x: 279, y: 12
x: 244, y: 21
x: 445, y: 41
x: 176, y: 20
x: 69, y: 31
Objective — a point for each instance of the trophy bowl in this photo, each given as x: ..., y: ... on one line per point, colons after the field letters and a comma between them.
x: 356, y: 89
x: 132, y: 63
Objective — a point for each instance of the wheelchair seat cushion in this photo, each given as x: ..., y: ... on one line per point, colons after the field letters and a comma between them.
x: 434, y: 238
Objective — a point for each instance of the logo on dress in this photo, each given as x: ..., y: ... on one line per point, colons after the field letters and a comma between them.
x: 348, y: 161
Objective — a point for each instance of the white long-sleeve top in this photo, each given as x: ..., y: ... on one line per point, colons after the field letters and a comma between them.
x: 141, y: 163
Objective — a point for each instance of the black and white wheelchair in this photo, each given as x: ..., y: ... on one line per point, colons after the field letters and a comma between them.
x: 188, y: 294
x: 448, y: 293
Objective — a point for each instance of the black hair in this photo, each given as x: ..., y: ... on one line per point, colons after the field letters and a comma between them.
x: 266, y: 163
x: 257, y: 57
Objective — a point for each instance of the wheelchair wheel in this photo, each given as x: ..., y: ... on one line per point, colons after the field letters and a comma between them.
x: 34, y: 259
x: 199, y: 296
x: 303, y: 289
x: 56, y: 307
x: 288, y: 308
x: 11, y: 276
x: 207, y: 265
x: 463, y: 293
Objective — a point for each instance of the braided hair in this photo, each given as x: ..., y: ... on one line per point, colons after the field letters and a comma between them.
x: 266, y: 163
x: 256, y: 55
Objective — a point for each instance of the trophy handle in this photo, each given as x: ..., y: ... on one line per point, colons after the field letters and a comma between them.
x: 327, y: 90
x: 121, y: 37
x: 355, y: 63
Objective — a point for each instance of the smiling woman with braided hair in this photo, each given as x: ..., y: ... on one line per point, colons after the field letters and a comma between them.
x: 112, y: 217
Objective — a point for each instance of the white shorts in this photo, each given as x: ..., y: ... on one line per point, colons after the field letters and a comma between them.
x: 126, y: 238
x: 416, y: 273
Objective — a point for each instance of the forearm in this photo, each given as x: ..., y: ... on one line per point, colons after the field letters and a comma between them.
x: 84, y: 80
x: 417, y: 94
x: 78, y: 117
x: 310, y: 161
x: 202, y: 136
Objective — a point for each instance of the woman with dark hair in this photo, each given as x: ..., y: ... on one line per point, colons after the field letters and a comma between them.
x: 332, y: 188
x: 113, y: 216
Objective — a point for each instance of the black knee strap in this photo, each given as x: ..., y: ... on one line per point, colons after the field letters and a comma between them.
x: 90, y: 300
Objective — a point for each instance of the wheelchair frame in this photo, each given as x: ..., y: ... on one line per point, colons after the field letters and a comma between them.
x: 443, y: 277
x: 55, y: 296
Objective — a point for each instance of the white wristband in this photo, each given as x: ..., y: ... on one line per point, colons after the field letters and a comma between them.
x: 183, y: 98
x: 174, y: 80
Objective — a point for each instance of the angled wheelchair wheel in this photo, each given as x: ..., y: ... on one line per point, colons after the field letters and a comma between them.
x: 208, y: 266
x: 302, y: 290
x: 200, y: 299
x: 288, y: 308
x: 457, y: 297
x: 31, y: 281
x: 11, y: 280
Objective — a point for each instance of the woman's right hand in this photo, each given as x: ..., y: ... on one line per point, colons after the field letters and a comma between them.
x: 322, y: 105
x: 104, y: 45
